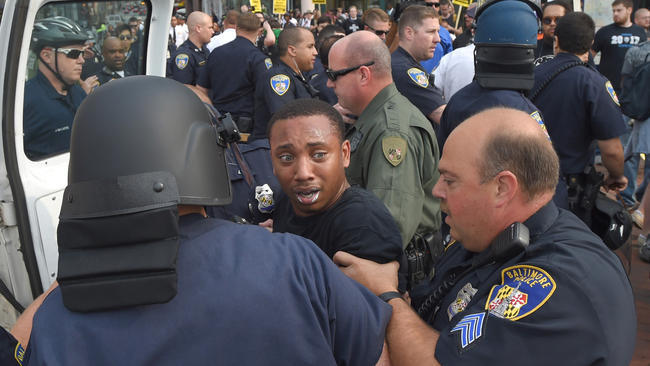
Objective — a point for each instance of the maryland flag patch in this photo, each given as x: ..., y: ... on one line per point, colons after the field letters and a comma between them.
x: 280, y: 84
x: 182, y: 60
x: 418, y: 76
x: 612, y: 93
x: 394, y: 149
x: 523, y: 290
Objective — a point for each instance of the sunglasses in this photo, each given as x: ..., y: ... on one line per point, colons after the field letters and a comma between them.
x: 548, y: 20
x: 72, y: 53
x: 334, y: 74
x: 378, y: 32
x: 433, y: 4
x: 125, y: 37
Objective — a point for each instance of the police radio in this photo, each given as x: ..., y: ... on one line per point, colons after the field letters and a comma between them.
x: 508, y: 244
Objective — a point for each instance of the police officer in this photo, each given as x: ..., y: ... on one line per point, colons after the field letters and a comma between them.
x: 505, y: 38
x: 418, y: 37
x: 579, y: 106
x: 139, y: 261
x: 525, y: 280
x: 285, y: 81
x: 113, y: 55
x: 233, y: 70
x: 189, y: 60
x: 54, y: 94
x: 393, y: 149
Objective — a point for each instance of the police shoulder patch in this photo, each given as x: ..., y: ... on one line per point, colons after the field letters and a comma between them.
x: 19, y: 353
x: 280, y: 84
x: 418, y: 76
x: 612, y: 93
x: 394, y: 149
x: 538, y: 118
x: 522, y: 291
x: 182, y: 60
x: 268, y: 63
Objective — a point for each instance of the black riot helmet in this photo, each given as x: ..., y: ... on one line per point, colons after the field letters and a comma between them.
x: 505, y: 39
x: 146, y: 124
x: 140, y: 146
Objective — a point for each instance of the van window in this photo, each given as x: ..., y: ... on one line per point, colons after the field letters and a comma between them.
x: 75, y: 48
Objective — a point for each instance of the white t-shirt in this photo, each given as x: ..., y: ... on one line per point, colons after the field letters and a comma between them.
x: 228, y: 35
x: 455, y: 71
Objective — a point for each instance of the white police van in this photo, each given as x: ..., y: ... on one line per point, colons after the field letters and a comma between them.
x: 31, y: 188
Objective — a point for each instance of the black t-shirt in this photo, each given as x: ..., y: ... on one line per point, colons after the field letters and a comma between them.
x: 352, y: 25
x: 613, y: 42
x: 357, y: 223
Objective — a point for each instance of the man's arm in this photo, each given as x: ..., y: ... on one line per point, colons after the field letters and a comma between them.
x: 437, y: 114
x: 611, y: 152
x: 269, y: 39
x: 410, y: 340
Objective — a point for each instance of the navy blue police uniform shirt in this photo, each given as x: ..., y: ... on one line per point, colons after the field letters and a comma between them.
x: 358, y: 223
x: 279, y: 85
x: 473, y: 99
x: 245, y: 297
x: 257, y: 155
x: 48, y: 116
x: 188, y: 63
x: 231, y: 75
x: 414, y: 83
x: 547, y: 306
x: 579, y: 106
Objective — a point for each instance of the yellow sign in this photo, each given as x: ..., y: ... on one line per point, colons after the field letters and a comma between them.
x: 279, y: 6
x: 256, y: 5
x: 464, y: 3
x: 319, y: 2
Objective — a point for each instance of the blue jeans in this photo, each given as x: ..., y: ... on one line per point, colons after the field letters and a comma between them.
x: 631, y: 193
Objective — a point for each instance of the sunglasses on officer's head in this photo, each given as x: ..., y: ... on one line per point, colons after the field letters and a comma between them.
x: 432, y: 4
x: 72, y: 53
x: 334, y: 74
x: 378, y: 32
x: 124, y: 37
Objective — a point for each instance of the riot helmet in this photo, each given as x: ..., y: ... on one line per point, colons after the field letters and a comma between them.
x: 139, y: 147
x: 505, y: 39
x: 146, y: 124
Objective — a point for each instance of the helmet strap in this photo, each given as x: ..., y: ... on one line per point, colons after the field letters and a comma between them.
x: 55, y: 71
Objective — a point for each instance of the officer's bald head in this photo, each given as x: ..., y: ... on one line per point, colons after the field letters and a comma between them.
x: 198, y: 18
x: 291, y: 37
x: 504, y: 139
x: 361, y: 47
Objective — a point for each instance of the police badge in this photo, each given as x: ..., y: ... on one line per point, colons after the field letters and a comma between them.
x: 418, y: 76
x: 264, y: 197
x: 280, y: 84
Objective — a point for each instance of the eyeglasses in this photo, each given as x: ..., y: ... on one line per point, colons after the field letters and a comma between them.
x: 125, y: 37
x: 548, y: 20
x: 334, y: 74
x: 378, y: 32
x: 72, y: 53
x: 433, y: 4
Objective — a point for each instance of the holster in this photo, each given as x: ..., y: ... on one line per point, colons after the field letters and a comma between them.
x: 420, y: 256
x: 582, y: 191
x: 245, y: 124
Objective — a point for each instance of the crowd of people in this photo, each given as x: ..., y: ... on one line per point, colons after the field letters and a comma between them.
x: 443, y: 165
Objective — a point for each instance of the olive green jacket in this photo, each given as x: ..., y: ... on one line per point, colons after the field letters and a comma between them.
x: 395, y: 155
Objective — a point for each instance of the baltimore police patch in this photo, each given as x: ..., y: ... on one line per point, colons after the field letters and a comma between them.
x: 19, y: 353
x: 394, y: 149
x: 612, y: 93
x: 418, y: 76
x: 280, y: 84
x: 523, y: 290
x: 535, y: 115
x: 268, y: 63
x: 182, y: 60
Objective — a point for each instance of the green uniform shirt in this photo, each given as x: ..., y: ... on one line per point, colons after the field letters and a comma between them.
x: 395, y: 156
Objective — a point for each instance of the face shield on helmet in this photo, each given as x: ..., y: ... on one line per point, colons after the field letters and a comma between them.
x: 505, y: 39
